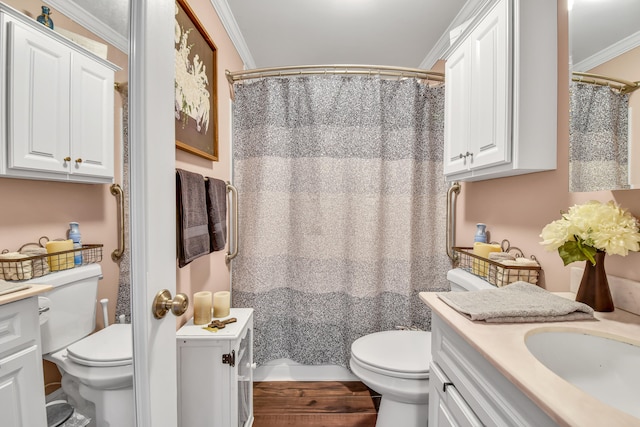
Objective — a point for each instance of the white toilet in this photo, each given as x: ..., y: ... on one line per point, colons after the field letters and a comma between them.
x: 396, y: 365
x: 97, y: 370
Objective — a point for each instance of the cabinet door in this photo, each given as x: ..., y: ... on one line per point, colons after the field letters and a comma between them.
x: 91, y: 118
x: 37, y: 101
x: 205, y: 386
x: 245, y: 379
x: 490, y: 121
x: 447, y: 407
x: 456, y: 117
x: 21, y: 392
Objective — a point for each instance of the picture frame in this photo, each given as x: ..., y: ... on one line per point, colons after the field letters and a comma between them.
x: 195, y: 106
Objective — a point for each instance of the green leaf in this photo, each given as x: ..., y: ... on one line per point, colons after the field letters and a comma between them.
x: 570, y: 252
x: 576, y: 251
x: 588, y: 251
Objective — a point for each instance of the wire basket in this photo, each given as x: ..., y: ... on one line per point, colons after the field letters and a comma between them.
x: 495, y: 272
x: 25, y: 265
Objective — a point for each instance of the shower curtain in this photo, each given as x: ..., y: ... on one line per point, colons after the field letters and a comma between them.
x: 598, y: 139
x: 123, y: 303
x: 342, y: 210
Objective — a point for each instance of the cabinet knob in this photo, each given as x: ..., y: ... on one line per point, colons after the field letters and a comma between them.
x: 67, y: 159
x: 78, y: 160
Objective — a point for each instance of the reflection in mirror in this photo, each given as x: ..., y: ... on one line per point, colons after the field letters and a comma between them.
x: 604, y: 37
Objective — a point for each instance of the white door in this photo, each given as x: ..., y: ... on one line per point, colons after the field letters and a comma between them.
x: 152, y: 163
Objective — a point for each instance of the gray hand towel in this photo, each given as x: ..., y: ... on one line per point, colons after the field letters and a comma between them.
x: 191, y: 207
x: 518, y: 302
x: 217, y: 211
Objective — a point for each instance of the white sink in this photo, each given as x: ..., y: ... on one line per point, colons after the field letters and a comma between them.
x: 606, y: 368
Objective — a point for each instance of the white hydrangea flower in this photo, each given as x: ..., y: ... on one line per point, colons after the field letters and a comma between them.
x: 601, y: 226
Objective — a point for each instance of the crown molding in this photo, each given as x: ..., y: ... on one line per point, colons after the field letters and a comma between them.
x: 470, y: 9
x: 77, y: 13
x: 229, y: 22
x: 608, y: 53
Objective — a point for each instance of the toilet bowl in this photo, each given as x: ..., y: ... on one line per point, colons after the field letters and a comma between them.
x: 98, y: 375
x: 96, y: 368
x: 396, y: 365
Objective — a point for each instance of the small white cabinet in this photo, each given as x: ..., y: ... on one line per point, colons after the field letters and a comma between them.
x: 215, y: 373
x: 466, y: 390
x: 501, y: 92
x: 59, y: 106
x: 22, y: 401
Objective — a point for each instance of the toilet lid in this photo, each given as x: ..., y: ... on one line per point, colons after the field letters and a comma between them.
x: 400, y: 353
x: 111, y: 346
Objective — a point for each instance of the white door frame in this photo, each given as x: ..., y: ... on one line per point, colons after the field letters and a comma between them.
x: 152, y: 208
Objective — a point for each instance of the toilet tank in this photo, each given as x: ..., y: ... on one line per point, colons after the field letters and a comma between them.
x: 462, y: 281
x: 68, y: 311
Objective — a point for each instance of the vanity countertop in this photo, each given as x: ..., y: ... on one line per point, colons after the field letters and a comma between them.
x: 25, y: 293
x: 503, y: 345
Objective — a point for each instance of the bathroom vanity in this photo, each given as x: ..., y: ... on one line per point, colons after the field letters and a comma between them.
x: 21, y: 379
x: 215, y: 373
x: 484, y: 374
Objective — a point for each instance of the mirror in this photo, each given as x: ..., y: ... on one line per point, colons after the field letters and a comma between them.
x: 604, y: 39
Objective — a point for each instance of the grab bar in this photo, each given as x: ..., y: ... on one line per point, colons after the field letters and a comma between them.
x: 116, y: 190
x: 233, y: 229
x: 451, y: 219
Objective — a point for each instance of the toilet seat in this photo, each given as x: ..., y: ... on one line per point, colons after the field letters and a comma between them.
x: 111, y: 346
x: 399, y: 354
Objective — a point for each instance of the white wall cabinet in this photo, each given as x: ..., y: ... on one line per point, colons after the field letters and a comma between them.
x: 501, y: 92
x: 59, y: 99
x: 215, y: 373
x: 22, y: 401
x: 466, y: 390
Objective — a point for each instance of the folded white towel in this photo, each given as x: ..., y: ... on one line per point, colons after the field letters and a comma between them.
x: 501, y: 256
x: 11, y: 268
x: 516, y: 303
x: 40, y: 265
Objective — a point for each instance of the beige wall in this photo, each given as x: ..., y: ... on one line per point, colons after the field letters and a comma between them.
x: 211, y: 273
x: 517, y: 208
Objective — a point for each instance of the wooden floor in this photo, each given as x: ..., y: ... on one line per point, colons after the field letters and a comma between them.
x: 314, y: 404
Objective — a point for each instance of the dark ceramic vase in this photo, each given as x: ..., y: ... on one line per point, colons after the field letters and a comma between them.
x: 594, y: 287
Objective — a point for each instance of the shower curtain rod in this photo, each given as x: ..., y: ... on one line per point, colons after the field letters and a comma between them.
x: 624, y: 86
x: 371, y: 70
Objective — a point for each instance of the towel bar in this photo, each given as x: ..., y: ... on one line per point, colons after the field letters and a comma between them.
x: 233, y: 223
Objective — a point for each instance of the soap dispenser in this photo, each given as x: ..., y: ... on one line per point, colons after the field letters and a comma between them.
x: 74, y: 235
x: 481, y: 233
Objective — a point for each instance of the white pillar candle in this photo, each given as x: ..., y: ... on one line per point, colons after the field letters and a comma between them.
x: 202, y: 308
x: 221, y: 303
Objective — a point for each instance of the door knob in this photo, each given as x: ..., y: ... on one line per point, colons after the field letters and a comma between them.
x: 163, y: 303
